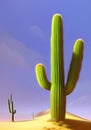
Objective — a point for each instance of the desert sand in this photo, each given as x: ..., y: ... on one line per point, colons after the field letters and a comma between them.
x: 42, y: 122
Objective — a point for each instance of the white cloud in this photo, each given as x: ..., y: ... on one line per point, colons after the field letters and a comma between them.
x: 17, y: 75
x: 37, y: 31
x: 16, y: 54
x: 83, y: 101
x: 81, y: 106
x: 12, y: 57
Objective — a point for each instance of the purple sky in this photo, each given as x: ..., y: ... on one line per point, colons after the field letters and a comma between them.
x: 25, y: 29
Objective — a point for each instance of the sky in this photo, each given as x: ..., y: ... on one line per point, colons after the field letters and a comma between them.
x: 25, y: 30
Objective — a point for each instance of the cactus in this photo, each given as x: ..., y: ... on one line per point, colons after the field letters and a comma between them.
x: 58, y: 89
x: 11, y: 107
x: 33, y: 115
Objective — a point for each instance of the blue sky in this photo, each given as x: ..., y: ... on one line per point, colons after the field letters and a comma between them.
x: 25, y: 29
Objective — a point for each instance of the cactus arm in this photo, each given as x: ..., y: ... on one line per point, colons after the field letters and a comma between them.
x: 14, y: 111
x: 75, y: 66
x: 41, y: 77
x: 10, y: 97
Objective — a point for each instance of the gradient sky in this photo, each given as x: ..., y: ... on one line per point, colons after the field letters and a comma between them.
x: 25, y: 29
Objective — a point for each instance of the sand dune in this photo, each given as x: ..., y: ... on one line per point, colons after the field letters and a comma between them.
x: 48, y: 111
x: 42, y: 122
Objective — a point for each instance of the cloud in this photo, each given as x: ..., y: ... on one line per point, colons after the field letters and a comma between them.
x: 17, y: 65
x: 17, y: 76
x: 16, y: 54
x: 10, y: 57
x: 37, y: 31
x: 83, y: 101
x: 81, y: 106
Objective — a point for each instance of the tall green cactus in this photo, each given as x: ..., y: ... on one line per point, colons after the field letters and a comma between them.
x: 58, y: 89
x: 11, y: 107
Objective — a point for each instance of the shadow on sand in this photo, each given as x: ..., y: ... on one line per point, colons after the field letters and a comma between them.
x: 78, y: 125
x: 70, y: 124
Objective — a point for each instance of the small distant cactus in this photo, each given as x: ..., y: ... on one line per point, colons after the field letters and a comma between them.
x: 11, y: 107
x: 58, y: 89
x: 33, y: 115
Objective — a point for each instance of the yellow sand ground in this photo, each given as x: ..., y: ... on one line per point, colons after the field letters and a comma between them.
x: 72, y: 122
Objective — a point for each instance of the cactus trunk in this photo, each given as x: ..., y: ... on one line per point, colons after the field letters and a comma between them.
x: 12, y: 114
x: 57, y: 95
x: 12, y: 117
